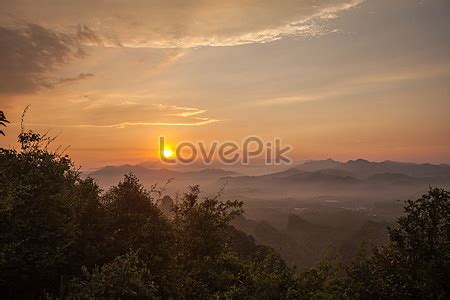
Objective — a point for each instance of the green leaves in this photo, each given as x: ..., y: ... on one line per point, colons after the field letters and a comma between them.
x: 127, y: 276
x: 416, y: 262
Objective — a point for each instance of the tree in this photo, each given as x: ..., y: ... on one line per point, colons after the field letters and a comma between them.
x: 201, y: 235
x: 416, y: 262
x: 3, y: 121
x: 38, y: 233
x: 61, y: 236
x: 133, y: 222
x: 126, y: 276
x: 202, y: 225
x: 217, y: 261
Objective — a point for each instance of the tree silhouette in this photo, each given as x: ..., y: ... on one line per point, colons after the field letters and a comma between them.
x: 3, y: 121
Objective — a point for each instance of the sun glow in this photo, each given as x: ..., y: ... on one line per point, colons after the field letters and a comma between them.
x: 167, y: 152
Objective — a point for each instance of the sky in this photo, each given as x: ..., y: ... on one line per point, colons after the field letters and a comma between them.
x: 345, y: 79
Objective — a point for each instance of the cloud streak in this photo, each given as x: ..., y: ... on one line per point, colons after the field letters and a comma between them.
x: 199, y: 122
x: 78, y: 77
x: 130, y: 114
x: 355, y: 85
x: 181, y: 24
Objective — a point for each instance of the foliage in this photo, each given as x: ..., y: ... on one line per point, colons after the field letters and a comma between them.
x: 3, y: 121
x: 61, y: 236
x: 201, y: 226
x: 37, y: 229
x: 416, y: 262
x: 132, y: 221
x: 322, y: 282
x: 126, y: 276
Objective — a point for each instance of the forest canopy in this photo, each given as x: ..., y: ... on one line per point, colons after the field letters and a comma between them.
x: 62, y: 236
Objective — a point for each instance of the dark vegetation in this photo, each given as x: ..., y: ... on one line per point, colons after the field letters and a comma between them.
x: 303, y: 244
x: 3, y: 122
x: 62, y: 237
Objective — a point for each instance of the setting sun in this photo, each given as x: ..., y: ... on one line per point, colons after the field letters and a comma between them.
x: 168, y: 153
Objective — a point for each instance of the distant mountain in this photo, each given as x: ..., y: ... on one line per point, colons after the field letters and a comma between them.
x: 320, y: 178
x: 363, y: 168
x: 111, y: 171
x: 166, y: 205
x: 111, y: 175
x: 214, y: 172
x: 313, y: 234
x: 371, y: 234
x: 393, y: 178
x: 158, y: 164
x: 355, y: 178
x: 336, y: 172
x: 317, y: 165
x: 255, y: 167
x: 317, y: 177
x: 137, y: 170
x: 296, y: 224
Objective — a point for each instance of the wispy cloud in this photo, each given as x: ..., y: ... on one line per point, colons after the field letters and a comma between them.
x: 78, y: 77
x: 192, y: 23
x: 186, y: 111
x: 354, y: 85
x: 199, y: 122
x: 133, y: 114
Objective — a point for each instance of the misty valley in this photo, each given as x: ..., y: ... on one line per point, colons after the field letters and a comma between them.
x: 314, y: 210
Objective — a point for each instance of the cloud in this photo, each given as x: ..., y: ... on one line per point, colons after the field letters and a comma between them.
x: 37, y: 38
x: 179, y: 24
x: 358, y: 84
x: 78, y: 77
x: 198, y: 122
x: 27, y: 55
x: 186, y: 111
x: 87, y: 36
x: 125, y: 114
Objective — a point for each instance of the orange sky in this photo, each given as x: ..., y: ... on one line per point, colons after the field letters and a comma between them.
x: 338, y: 78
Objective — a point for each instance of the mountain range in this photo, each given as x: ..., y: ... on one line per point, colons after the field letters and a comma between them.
x: 354, y: 177
x: 111, y: 175
x: 315, y: 178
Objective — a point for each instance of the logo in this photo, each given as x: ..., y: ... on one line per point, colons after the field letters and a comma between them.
x: 228, y: 152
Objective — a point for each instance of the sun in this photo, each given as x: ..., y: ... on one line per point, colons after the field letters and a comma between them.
x: 167, y: 152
